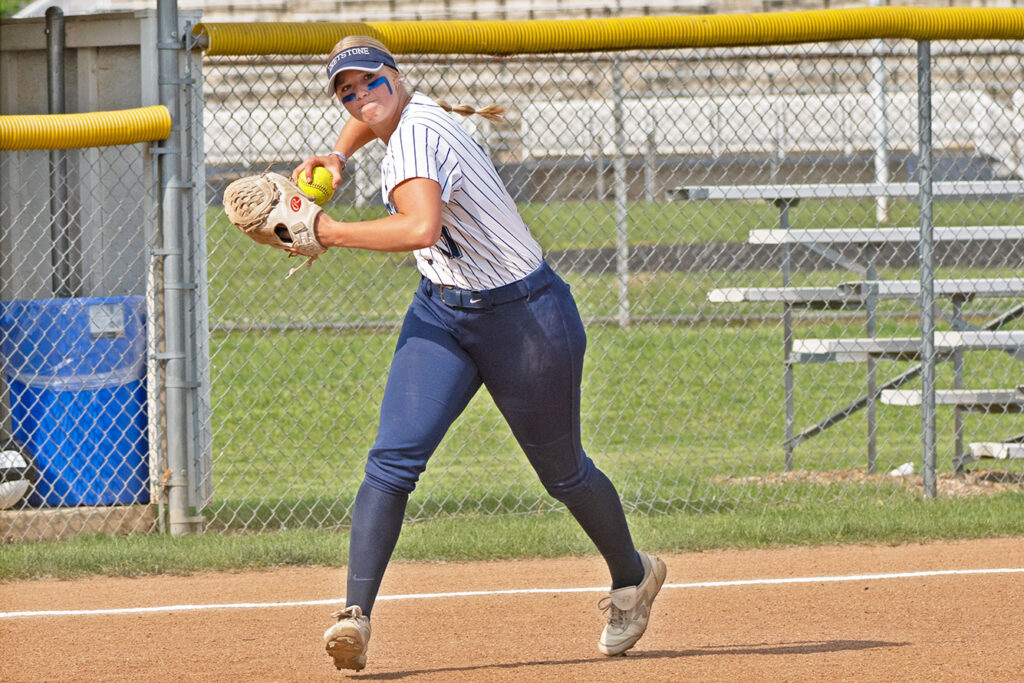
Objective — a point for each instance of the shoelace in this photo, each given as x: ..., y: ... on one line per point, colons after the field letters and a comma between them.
x: 343, y: 614
x: 617, y: 618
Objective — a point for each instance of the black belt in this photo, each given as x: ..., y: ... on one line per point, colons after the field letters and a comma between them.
x: 485, y: 298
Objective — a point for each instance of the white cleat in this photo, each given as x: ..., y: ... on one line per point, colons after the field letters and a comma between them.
x: 629, y: 608
x: 347, y: 640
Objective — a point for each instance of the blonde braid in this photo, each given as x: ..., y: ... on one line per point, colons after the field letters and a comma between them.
x: 491, y: 112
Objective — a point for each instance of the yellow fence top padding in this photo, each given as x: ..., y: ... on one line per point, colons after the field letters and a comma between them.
x: 92, y: 129
x: 585, y: 35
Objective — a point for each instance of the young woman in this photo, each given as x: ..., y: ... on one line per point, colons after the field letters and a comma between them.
x: 488, y: 311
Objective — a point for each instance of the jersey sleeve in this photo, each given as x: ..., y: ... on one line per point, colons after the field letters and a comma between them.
x: 425, y: 154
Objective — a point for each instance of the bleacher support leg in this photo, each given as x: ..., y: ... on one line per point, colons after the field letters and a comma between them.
x: 958, y: 383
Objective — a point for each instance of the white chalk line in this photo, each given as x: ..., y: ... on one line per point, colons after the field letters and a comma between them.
x: 338, y: 602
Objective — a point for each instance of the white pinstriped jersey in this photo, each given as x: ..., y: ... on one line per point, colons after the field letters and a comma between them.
x: 484, y: 242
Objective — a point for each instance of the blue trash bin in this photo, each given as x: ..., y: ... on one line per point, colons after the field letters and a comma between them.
x: 76, y: 372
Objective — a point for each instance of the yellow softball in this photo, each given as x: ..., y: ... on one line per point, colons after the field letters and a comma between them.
x: 320, y: 187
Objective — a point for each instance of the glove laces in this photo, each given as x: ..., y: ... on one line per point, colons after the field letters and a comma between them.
x: 308, y: 263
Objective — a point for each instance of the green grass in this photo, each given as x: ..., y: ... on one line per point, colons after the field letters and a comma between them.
x: 248, y: 286
x: 670, y: 411
x: 592, y: 224
x: 901, y: 520
x: 580, y: 225
x: 667, y: 408
x: 9, y: 7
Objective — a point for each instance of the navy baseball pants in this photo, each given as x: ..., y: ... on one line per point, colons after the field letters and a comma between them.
x: 525, y: 342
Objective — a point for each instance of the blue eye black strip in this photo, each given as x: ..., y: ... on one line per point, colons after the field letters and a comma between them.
x: 383, y: 80
x: 378, y: 82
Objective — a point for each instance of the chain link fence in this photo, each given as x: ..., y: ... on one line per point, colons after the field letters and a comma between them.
x: 740, y: 227
x: 689, y: 400
x: 76, y: 261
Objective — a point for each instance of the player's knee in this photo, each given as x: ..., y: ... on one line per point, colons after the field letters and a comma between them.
x: 392, y: 475
x: 573, y: 490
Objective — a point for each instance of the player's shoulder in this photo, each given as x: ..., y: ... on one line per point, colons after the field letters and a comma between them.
x: 421, y: 105
x: 423, y: 112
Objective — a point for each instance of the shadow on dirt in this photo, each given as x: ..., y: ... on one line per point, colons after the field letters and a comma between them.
x: 794, y: 648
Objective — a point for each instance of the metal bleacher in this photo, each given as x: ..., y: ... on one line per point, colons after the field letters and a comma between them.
x: 866, y: 292
x: 998, y: 401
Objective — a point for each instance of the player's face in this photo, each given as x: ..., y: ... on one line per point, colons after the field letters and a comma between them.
x: 369, y: 96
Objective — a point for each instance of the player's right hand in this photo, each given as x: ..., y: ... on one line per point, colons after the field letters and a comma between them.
x: 329, y: 161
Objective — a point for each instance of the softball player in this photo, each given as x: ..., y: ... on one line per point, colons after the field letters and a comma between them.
x: 488, y: 311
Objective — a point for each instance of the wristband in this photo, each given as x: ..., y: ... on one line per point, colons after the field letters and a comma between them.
x: 340, y: 155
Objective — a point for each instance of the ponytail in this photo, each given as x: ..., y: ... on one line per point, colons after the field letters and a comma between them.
x: 491, y: 112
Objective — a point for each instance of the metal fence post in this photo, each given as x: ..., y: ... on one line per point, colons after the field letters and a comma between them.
x: 789, y: 446
x: 198, y: 316
x: 924, y: 120
x: 620, y: 190
x: 171, y: 186
x: 60, y: 223
x: 880, y: 105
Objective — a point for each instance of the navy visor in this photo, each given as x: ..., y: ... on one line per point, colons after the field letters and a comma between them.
x: 358, y: 58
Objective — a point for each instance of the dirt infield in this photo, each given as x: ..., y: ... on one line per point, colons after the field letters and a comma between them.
x: 846, y: 613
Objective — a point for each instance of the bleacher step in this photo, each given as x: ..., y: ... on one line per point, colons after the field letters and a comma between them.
x: 909, y: 289
x: 884, y: 235
x: 857, y: 350
x: 791, y: 295
x: 997, y: 450
x: 976, y: 400
x: 853, y: 293
x: 793, y: 193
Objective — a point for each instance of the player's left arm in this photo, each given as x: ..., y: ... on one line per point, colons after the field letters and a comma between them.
x: 416, y: 224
